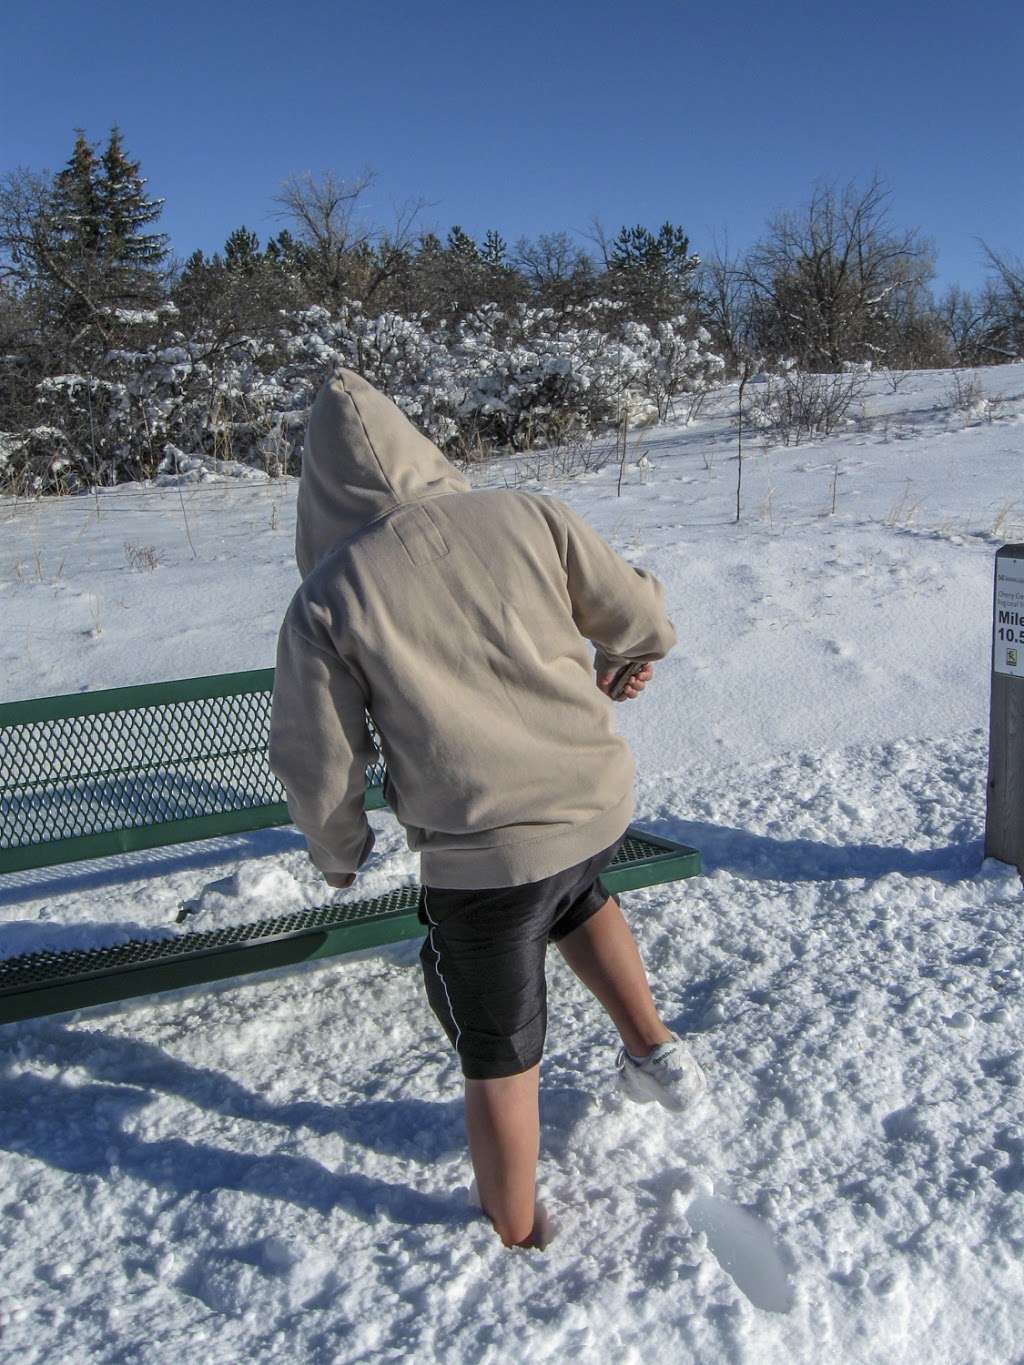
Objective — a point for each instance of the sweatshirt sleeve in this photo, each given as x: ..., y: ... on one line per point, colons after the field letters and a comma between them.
x: 319, y: 749
x: 617, y: 607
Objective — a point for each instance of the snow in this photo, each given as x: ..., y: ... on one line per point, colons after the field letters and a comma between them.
x: 275, y: 1168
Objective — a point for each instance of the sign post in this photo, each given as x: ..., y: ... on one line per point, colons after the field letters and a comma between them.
x: 1004, y: 824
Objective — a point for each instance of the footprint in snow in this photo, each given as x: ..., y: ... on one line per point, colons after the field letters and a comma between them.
x: 740, y: 1242
x: 743, y: 1246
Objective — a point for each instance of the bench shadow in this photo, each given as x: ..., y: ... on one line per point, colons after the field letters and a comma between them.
x: 409, y: 1128
x: 119, y: 868
x: 762, y: 857
x: 81, y: 1129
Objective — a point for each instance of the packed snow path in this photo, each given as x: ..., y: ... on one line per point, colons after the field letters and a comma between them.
x: 276, y: 1170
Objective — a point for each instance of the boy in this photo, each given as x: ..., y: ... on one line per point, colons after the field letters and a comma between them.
x: 458, y: 619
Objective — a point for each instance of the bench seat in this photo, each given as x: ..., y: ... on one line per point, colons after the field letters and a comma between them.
x: 130, y: 768
x: 51, y: 982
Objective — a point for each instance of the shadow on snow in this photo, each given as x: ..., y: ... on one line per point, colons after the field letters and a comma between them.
x: 81, y: 1129
x: 765, y: 858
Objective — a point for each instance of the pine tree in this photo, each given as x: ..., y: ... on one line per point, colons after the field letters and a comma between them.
x: 242, y: 252
x: 495, y: 248
x: 132, y: 257
x: 461, y: 245
x: 66, y: 240
x: 76, y: 208
x: 654, y: 274
x: 88, y: 249
x: 668, y: 254
x: 195, y: 265
x: 285, y: 251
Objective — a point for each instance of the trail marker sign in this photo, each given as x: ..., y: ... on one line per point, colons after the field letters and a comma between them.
x: 1008, y: 626
x: 1004, y: 824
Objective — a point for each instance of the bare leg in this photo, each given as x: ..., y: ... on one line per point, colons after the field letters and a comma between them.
x: 603, y: 954
x: 503, y: 1125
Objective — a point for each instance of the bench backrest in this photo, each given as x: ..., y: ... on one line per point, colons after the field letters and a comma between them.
x: 96, y: 773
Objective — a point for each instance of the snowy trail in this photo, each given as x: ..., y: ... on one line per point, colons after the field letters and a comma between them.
x: 276, y: 1169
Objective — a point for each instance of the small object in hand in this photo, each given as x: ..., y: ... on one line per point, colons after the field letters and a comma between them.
x: 623, y: 678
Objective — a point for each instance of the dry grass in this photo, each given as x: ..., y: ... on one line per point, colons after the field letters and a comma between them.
x: 141, y: 557
x: 905, y: 509
x: 568, y: 460
x: 1002, y: 526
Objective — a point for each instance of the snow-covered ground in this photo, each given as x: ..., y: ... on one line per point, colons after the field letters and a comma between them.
x: 274, y: 1170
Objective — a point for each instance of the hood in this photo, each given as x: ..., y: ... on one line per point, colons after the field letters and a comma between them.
x: 362, y: 458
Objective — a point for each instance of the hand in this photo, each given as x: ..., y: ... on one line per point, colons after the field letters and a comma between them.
x: 339, y: 882
x: 633, y: 688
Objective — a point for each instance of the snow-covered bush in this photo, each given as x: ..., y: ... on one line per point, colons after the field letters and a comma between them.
x: 501, y: 378
x: 672, y: 360
x: 527, y: 380
x: 536, y: 375
x: 94, y: 418
x: 412, y: 366
x: 35, y: 461
x: 796, y: 406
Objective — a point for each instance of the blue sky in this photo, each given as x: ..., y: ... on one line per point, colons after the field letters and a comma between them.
x: 534, y: 117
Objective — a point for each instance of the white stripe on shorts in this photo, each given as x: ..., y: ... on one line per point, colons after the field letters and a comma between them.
x: 437, y: 968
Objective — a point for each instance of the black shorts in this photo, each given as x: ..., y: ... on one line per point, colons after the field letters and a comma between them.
x: 483, y: 962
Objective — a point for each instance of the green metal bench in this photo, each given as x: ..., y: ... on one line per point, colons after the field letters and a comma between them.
x: 101, y: 773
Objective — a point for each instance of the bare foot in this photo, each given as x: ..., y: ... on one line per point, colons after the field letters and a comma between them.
x: 543, y: 1233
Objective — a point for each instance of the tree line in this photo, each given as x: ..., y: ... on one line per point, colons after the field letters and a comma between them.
x: 115, y: 357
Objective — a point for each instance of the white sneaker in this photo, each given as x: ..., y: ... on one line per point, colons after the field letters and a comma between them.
x: 667, y: 1074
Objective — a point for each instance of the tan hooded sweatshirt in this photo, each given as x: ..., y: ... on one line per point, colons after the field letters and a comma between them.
x: 458, y: 619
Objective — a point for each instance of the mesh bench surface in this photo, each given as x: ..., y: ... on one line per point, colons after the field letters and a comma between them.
x: 131, y: 768
x: 101, y: 773
x: 50, y: 982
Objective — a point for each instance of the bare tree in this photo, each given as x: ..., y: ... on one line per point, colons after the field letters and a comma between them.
x: 22, y: 359
x: 556, y: 269
x: 599, y: 236
x: 394, y: 247
x: 342, y: 256
x: 965, y: 320
x: 829, y: 283
x: 323, y: 213
x: 725, y: 305
x: 1006, y: 298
